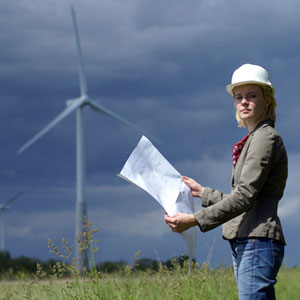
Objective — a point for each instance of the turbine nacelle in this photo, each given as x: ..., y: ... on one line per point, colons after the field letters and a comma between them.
x: 84, y: 100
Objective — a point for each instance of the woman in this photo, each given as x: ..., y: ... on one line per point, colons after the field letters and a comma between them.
x: 249, y: 213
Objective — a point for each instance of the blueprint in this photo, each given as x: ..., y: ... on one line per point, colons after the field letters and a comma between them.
x: 147, y: 168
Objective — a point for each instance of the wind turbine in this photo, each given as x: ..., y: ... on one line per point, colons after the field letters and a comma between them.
x: 4, y: 207
x: 78, y: 104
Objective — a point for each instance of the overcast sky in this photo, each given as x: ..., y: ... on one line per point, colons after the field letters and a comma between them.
x: 164, y: 66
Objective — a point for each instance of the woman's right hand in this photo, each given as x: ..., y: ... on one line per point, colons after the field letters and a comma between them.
x: 196, y: 188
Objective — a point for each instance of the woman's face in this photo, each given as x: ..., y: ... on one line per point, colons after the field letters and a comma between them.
x: 250, y: 104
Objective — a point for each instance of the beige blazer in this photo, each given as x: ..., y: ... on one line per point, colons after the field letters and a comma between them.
x: 258, y: 182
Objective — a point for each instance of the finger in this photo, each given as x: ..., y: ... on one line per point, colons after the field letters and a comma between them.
x: 173, y: 227
x: 185, y: 178
x: 169, y: 220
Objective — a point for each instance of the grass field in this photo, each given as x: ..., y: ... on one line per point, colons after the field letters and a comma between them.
x: 201, y: 283
x: 175, y: 282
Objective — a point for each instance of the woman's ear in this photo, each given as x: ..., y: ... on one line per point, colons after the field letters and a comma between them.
x: 267, y: 103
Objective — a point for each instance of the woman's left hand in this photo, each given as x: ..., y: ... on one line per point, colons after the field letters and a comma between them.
x: 180, y: 222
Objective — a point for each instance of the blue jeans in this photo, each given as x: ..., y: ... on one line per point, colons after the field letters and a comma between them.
x: 256, y: 262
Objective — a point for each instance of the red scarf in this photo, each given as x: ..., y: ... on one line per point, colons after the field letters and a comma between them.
x: 237, y: 149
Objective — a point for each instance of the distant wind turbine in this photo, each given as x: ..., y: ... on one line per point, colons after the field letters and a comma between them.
x: 4, y: 207
x: 78, y: 104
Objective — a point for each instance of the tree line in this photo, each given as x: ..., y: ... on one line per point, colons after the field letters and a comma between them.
x: 29, y: 265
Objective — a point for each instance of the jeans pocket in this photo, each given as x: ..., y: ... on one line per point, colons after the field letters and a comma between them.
x: 278, y: 254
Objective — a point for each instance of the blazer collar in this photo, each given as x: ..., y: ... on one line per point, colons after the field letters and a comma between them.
x: 267, y: 122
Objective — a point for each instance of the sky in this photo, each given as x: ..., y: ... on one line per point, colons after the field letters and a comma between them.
x: 164, y: 66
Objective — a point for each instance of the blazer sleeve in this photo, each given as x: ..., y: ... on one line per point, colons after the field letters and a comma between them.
x: 253, y: 176
x: 211, y: 196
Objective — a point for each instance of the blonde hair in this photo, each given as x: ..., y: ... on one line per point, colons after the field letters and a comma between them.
x: 270, y: 109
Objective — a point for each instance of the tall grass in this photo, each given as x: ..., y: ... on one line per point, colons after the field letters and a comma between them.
x: 288, y: 284
x: 64, y: 282
x: 201, y: 283
x: 129, y: 284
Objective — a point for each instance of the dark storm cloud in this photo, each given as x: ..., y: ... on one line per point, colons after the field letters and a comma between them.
x: 162, y: 66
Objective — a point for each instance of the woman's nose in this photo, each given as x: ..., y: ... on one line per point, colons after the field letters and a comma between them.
x: 244, y: 101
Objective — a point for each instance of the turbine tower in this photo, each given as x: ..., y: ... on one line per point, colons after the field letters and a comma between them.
x: 4, y: 207
x: 77, y: 105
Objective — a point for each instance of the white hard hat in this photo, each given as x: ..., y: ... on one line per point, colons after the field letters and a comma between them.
x: 249, y: 74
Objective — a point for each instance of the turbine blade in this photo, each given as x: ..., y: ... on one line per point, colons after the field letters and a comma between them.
x: 12, y: 198
x: 82, y: 77
x: 101, y: 109
x: 70, y: 108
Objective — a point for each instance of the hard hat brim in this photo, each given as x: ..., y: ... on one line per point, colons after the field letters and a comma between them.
x: 230, y: 87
